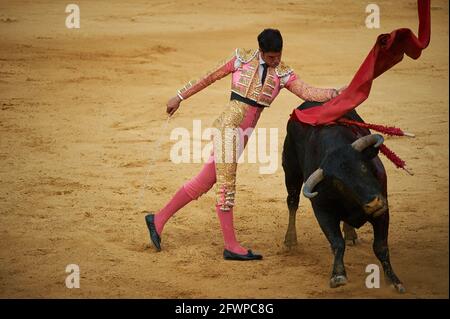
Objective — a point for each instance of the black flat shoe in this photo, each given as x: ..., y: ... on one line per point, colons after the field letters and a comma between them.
x: 228, y: 255
x: 156, y: 240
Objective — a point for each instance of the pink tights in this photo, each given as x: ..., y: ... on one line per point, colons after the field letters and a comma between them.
x: 193, y: 189
x: 202, y: 183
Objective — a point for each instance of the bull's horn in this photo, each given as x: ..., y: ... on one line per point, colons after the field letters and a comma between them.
x: 363, y: 142
x: 311, y: 182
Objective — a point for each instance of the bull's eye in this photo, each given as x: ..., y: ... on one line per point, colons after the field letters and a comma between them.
x: 338, y: 185
x: 363, y: 168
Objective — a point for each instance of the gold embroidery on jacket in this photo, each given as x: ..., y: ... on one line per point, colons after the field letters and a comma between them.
x: 283, y: 70
x: 255, y: 88
x: 265, y: 98
x: 247, y: 77
x: 246, y: 55
x: 191, y: 83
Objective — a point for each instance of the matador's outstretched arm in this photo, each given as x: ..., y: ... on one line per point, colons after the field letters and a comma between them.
x: 221, y: 70
x: 307, y: 92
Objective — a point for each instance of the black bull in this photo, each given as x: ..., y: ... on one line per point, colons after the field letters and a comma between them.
x: 345, y: 181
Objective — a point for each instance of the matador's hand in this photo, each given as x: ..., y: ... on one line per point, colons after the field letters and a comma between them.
x: 173, y: 105
x: 339, y: 91
x: 342, y: 89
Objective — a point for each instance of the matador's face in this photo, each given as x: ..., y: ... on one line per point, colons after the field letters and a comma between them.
x: 272, y: 59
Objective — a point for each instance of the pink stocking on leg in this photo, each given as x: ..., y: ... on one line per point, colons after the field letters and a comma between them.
x: 229, y: 237
x: 191, y: 190
x: 180, y: 199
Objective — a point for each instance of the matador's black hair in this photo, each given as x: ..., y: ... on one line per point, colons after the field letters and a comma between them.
x: 270, y: 40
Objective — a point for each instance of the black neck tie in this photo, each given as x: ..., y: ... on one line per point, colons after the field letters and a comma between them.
x: 264, y: 73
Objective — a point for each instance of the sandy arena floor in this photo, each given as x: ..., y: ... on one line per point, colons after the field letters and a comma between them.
x: 84, y: 150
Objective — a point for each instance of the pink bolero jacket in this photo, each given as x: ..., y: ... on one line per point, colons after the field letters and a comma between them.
x: 244, y: 64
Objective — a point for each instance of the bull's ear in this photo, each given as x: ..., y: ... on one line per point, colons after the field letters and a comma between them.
x: 370, y: 152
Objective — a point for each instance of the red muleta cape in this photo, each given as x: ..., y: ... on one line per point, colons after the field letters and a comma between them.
x: 388, y: 50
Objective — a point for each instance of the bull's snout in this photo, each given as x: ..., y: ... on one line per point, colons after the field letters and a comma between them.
x: 376, y: 207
